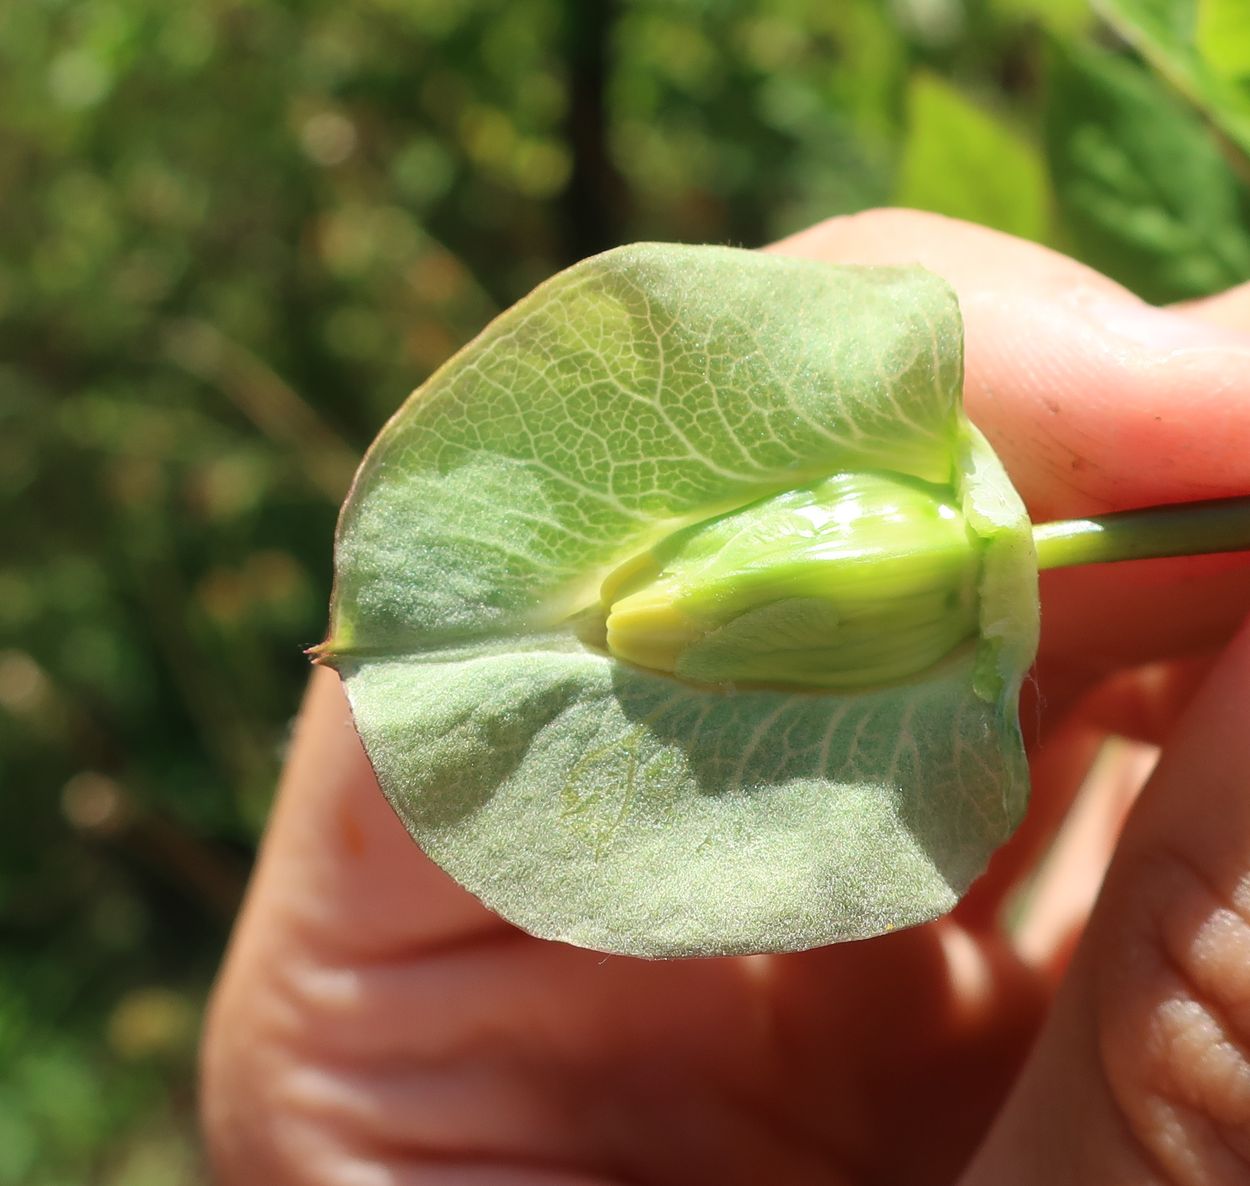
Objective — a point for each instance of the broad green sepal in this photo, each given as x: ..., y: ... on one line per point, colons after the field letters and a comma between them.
x: 587, y: 798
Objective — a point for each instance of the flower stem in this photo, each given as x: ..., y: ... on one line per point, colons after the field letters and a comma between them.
x: 1185, y: 529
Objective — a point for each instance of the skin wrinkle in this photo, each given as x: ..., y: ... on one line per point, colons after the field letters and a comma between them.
x: 1206, y: 1070
x: 466, y: 1170
x: 395, y: 1078
x: 1134, y: 1148
x: 462, y: 984
x: 279, y: 1151
x: 1194, y: 948
x: 1208, y: 1063
x: 335, y: 1005
x: 1136, y: 981
x: 1064, y: 1123
x: 575, y: 1119
x: 322, y: 1149
x: 1192, y: 1148
x: 492, y: 1104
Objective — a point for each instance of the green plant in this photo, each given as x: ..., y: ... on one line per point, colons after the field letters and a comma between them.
x: 684, y: 612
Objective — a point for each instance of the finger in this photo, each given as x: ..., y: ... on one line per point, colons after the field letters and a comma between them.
x: 1140, y: 1073
x: 1086, y: 774
x: 1095, y: 758
x: 1059, y: 767
x: 338, y: 884
x: 1102, y: 618
x: 337, y: 866
x: 1230, y: 309
x: 1094, y: 401
x: 1060, y: 897
x: 1145, y: 703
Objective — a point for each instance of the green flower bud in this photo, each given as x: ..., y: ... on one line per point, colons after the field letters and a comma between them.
x: 854, y: 581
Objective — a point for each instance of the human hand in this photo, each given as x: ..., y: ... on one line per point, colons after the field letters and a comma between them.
x: 375, y: 1024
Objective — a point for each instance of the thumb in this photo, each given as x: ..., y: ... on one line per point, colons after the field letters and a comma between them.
x: 1142, y: 1072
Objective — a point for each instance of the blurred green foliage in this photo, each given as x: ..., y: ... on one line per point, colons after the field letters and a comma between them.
x: 962, y: 161
x: 1147, y: 196
x: 235, y: 233
x: 1202, y: 47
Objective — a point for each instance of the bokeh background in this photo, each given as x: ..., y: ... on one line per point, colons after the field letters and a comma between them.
x: 235, y: 233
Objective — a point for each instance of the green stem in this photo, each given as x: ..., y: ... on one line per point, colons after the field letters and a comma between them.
x: 1186, y: 529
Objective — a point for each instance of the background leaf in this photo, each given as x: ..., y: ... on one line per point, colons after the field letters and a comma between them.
x: 1165, y: 33
x: 1146, y: 194
x: 1067, y: 18
x: 961, y: 161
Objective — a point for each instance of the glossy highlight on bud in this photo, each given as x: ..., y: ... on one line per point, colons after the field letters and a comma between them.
x: 855, y: 581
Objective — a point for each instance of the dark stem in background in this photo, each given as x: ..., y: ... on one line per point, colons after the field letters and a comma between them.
x: 593, y: 201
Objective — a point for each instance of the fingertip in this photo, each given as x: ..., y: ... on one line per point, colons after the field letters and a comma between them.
x: 1229, y: 309
x: 969, y: 256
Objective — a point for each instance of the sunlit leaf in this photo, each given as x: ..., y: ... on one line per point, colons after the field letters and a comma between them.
x: 599, y: 802
x: 960, y: 161
x: 1223, y: 36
